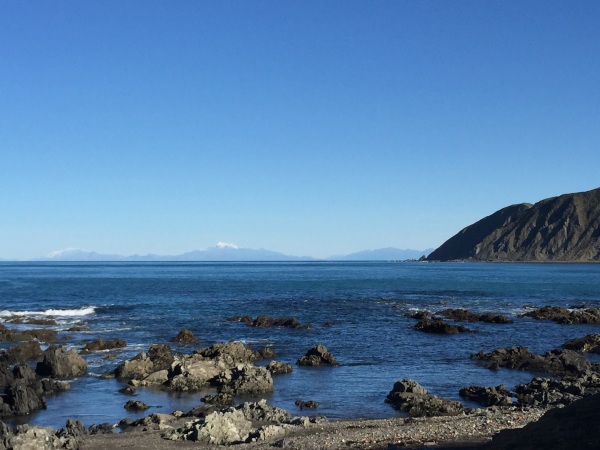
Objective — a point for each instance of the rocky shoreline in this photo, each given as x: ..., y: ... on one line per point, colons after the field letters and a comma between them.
x: 229, y: 369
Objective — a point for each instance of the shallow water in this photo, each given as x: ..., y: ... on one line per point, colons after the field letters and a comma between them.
x: 147, y: 303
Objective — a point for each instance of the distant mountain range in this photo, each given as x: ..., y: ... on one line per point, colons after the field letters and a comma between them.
x: 564, y: 228
x: 230, y: 252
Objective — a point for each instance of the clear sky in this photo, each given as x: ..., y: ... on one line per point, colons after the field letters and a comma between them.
x: 305, y: 127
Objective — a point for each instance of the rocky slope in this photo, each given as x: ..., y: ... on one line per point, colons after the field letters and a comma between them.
x: 564, y: 228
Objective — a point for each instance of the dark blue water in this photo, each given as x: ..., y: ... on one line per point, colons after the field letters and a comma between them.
x: 146, y: 303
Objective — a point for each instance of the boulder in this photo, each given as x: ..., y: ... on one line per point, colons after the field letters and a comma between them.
x: 185, y: 337
x: 101, y: 344
x: 159, y: 357
x: 407, y: 395
x: 266, y: 353
x: 438, y: 326
x: 135, y: 405
x: 60, y: 363
x: 222, y: 428
x: 309, y: 404
x: 316, y: 356
x: 219, y: 399
x: 487, y: 396
x: 279, y: 368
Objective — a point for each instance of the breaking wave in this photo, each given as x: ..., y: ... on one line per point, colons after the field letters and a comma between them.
x: 85, y: 311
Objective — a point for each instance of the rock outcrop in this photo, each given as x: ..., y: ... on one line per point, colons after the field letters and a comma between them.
x: 268, y: 321
x: 249, y: 422
x: 463, y: 315
x: 560, y: 363
x: 439, y: 326
x: 100, y: 345
x: 21, y: 392
x: 229, y: 367
x: 566, y: 316
x: 564, y: 228
x: 586, y: 344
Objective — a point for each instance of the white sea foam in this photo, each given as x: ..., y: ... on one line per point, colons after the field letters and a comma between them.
x: 85, y: 311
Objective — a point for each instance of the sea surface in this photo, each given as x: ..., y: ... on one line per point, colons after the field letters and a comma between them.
x: 146, y: 303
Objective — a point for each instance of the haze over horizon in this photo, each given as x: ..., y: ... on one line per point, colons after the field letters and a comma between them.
x: 313, y: 128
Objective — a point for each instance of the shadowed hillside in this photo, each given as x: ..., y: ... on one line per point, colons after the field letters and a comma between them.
x: 564, y: 228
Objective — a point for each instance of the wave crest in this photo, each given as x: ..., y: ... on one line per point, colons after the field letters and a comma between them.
x: 84, y: 311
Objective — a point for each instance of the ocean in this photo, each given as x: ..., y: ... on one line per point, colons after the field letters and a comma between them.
x: 367, y: 302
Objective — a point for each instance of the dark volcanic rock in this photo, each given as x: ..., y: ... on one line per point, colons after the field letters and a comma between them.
x: 566, y: 316
x: 462, y: 315
x: 268, y: 321
x: 186, y: 336
x: 561, y: 363
x: 59, y: 363
x: 101, y: 344
x: 409, y: 396
x: 438, y: 326
x: 22, y: 393
x: 25, y: 351
x: 487, y: 396
x: 316, y: 356
x: 574, y: 427
x: 587, y: 344
x: 564, y: 228
x: 544, y: 391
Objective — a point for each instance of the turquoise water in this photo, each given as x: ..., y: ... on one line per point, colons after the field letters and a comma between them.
x: 147, y: 303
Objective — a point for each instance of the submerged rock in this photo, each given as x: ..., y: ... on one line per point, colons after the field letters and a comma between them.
x: 468, y: 316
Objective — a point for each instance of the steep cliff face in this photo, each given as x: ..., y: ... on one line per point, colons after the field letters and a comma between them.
x: 564, y: 228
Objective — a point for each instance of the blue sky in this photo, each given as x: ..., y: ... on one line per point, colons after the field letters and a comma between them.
x: 310, y: 128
